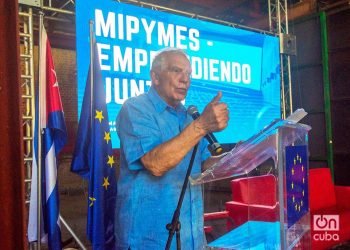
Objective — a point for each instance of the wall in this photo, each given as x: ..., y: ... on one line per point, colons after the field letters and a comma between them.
x: 338, y: 25
x: 308, y: 88
x: 307, y: 81
x: 65, y: 65
x: 12, y: 209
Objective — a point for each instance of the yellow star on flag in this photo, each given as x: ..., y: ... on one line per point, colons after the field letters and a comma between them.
x: 105, y: 182
x: 107, y: 137
x: 99, y: 115
x: 92, y: 199
x: 110, y: 160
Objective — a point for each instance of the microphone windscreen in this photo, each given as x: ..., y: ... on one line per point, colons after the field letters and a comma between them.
x: 192, y: 110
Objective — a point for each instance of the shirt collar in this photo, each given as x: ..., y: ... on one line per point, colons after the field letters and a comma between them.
x: 159, y: 104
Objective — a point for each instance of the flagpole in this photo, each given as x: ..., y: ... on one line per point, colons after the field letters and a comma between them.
x: 92, y: 102
x: 39, y: 129
x: 39, y: 201
x: 91, y: 26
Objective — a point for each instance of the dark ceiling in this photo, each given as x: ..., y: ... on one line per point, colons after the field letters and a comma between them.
x: 249, y: 13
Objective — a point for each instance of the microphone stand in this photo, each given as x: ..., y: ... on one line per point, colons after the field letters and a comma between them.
x: 175, y: 224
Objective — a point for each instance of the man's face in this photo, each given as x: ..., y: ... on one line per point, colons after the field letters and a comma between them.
x: 173, y: 79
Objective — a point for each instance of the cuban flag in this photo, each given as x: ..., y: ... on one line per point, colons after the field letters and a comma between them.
x: 53, y: 137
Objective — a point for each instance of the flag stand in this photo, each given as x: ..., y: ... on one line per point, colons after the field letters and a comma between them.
x: 70, y: 230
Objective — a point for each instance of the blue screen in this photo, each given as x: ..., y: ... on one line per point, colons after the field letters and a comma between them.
x: 243, y: 65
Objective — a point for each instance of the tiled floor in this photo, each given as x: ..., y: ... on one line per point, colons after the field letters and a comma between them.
x: 73, y: 211
x: 73, y: 204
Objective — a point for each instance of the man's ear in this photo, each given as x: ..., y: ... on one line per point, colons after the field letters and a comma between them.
x: 154, y: 77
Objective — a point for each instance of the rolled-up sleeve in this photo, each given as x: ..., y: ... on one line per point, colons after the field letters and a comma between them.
x: 138, y: 132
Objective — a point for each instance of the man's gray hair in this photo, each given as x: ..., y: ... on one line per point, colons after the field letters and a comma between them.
x: 158, y: 60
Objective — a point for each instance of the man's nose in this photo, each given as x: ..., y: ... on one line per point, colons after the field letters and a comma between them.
x: 185, y: 76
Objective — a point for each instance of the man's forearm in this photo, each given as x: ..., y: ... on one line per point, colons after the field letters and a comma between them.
x: 167, y: 155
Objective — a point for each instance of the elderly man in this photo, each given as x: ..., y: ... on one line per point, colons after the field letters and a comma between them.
x: 157, y: 137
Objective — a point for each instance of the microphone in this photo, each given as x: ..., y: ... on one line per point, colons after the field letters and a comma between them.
x: 214, y: 147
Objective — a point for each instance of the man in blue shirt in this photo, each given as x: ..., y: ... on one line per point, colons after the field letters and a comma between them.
x: 157, y: 137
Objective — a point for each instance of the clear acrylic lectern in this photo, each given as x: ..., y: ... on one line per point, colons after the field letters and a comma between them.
x: 284, y: 224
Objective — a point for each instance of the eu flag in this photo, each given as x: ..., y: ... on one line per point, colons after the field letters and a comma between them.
x: 93, y: 159
x: 297, y: 183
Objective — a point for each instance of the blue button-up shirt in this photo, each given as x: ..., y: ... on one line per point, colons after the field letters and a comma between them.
x: 146, y: 203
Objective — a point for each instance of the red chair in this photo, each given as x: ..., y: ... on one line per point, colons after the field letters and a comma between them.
x: 214, y: 216
x: 327, y: 199
x: 253, y: 198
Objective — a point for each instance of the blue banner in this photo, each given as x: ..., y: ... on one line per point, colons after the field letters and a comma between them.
x: 244, y: 65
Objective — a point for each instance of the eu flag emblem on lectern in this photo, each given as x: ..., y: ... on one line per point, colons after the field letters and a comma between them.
x: 297, y: 183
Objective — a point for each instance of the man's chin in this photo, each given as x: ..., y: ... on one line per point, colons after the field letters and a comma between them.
x: 182, y: 96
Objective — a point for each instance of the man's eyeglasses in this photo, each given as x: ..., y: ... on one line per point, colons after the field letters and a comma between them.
x: 178, y: 71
